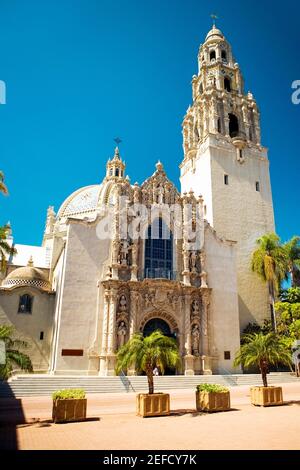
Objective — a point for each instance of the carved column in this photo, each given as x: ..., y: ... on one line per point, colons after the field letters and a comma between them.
x: 103, y: 359
x: 134, y: 297
x: 226, y: 117
x: 111, y: 340
x: 134, y: 267
x: 206, y: 359
x: 188, y: 358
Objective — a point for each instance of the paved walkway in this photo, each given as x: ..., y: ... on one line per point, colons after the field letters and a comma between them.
x: 112, y: 424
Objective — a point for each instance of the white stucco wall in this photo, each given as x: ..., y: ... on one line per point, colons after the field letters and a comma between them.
x: 29, y: 326
x: 84, y: 264
x: 224, y: 313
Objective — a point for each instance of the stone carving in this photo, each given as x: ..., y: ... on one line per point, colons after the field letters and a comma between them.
x: 193, y: 262
x: 122, y: 303
x: 122, y: 332
x: 195, y: 339
x: 123, y: 257
x: 195, y: 313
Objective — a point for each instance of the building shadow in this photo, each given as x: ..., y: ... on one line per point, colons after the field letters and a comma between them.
x: 11, y: 415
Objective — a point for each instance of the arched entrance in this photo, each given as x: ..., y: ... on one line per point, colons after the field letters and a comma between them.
x: 159, y: 324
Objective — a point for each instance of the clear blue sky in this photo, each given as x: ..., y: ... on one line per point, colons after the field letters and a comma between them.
x: 80, y: 72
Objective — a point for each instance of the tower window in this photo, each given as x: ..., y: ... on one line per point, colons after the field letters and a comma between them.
x: 226, y: 180
x: 212, y: 55
x: 219, y: 125
x: 25, y: 304
x: 227, y: 84
x: 201, y: 88
x: 111, y: 172
x: 224, y: 55
x: 117, y: 171
x: 41, y: 335
x: 233, y: 125
x: 257, y: 186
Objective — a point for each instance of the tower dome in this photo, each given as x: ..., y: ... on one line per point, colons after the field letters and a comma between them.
x: 27, y: 276
x: 214, y: 34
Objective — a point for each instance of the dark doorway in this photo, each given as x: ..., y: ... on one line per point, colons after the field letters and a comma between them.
x: 233, y: 125
x: 158, y: 324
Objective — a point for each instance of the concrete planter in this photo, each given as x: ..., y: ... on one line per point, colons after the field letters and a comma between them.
x: 266, y: 396
x: 69, y: 410
x: 212, y: 401
x: 157, y: 404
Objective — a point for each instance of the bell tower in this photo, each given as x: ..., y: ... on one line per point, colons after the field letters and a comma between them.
x: 225, y: 162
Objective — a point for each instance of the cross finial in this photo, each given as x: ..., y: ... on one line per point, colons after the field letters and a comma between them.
x: 117, y: 140
x: 214, y: 18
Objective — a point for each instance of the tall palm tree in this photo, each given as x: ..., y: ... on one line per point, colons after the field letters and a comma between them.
x: 263, y: 351
x: 5, y: 248
x: 13, y: 357
x: 146, y: 353
x: 270, y: 262
x: 3, y: 187
x: 292, y: 248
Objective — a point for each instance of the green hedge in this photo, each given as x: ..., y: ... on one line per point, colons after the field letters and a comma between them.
x: 214, y: 388
x: 66, y: 394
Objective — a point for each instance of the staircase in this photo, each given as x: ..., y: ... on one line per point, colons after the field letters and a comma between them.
x: 38, y: 385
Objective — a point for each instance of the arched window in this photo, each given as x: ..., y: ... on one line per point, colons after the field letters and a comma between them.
x: 227, y: 84
x: 159, y: 251
x: 212, y: 55
x: 233, y: 125
x: 25, y: 303
x: 111, y: 172
x: 117, y: 171
x: 224, y: 55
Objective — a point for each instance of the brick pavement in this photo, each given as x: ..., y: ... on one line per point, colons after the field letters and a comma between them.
x: 113, y: 425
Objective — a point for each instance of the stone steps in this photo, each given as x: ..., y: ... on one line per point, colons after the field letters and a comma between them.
x: 41, y: 385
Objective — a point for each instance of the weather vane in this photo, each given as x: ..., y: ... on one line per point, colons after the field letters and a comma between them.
x: 214, y: 18
x: 117, y: 140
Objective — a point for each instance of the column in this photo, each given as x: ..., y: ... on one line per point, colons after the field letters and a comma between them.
x: 134, y: 297
x: 103, y: 359
x: 188, y: 358
x: 111, y: 340
x: 206, y: 359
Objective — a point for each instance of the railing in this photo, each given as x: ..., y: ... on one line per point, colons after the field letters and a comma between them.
x: 238, y: 135
x: 160, y: 273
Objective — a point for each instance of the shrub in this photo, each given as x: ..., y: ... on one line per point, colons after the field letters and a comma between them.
x: 67, y: 394
x: 212, y: 388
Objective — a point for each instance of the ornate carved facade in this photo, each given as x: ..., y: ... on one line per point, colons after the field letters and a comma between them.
x: 119, y: 259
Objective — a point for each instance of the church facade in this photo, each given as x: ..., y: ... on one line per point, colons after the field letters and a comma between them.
x: 118, y: 259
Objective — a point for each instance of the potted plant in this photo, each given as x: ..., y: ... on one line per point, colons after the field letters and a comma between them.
x: 263, y: 351
x: 212, y: 397
x: 69, y: 405
x: 145, y: 354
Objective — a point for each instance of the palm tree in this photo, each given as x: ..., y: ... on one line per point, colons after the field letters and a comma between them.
x: 263, y: 351
x: 13, y: 357
x: 146, y: 353
x: 270, y: 262
x: 292, y: 248
x: 5, y: 248
x: 3, y: 188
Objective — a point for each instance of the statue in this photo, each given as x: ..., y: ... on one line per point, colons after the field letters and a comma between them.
x: 122, y: 332
x: 195, y: 340
x: 193, y: 262
x: 123, y: 303
x: 123, y: 253
x: 195, y: 308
